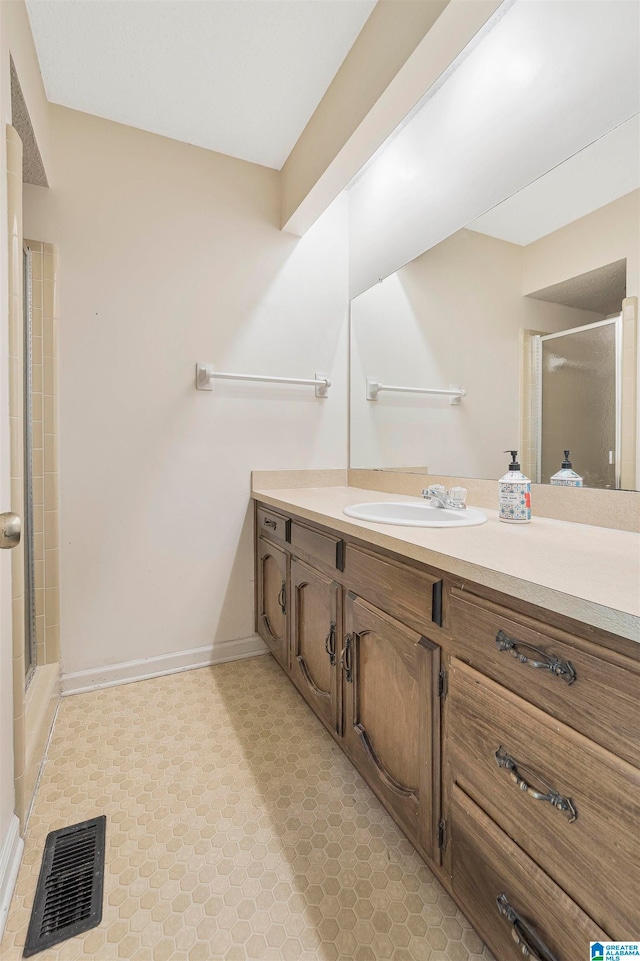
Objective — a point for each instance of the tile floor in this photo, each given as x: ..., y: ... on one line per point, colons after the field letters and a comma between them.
x: 236, y: 829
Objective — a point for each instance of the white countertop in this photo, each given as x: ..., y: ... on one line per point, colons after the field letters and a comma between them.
x: 588, y: 573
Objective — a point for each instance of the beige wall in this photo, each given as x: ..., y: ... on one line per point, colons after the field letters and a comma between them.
x: 602, y: 237
x: 170, y: 255
x: 451, y: 316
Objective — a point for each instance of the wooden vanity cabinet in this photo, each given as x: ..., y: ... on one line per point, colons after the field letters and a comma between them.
x: 360, y: 659
x: 316, y: 638
x: 533, y: 825
x: 272, y: 619
x: 392, y: 716
x: 542, y: 735
x: 572, y: 806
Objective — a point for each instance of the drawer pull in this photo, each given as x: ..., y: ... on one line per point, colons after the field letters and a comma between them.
x: 548, y: 662
x: 555, y: 800
x: 330, y: 643
x: 269, y: 523
x: 346, y: 658
x: 522, y: 933
x: 282, y: 597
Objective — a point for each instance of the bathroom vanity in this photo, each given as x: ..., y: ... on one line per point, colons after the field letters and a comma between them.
x: 497, y: 719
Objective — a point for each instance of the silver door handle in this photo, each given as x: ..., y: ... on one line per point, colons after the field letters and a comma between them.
x: 10, y: 529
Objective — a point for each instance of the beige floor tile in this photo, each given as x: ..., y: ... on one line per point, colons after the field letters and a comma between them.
x: 236, y: 830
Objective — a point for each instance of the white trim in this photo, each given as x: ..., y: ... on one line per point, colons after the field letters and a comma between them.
x: 126, y: 673
x: 10, y: 858
x: 579, y: 330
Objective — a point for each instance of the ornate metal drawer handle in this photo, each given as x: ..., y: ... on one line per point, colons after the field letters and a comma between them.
x: 269, y: 523
x: 555, y: 800
x: 330, y: 643
x: 522, y: 933
x: 282, y: 597
x: 346, y: 658
x: 546, y: 662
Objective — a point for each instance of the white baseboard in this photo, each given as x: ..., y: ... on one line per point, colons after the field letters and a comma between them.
x: 130, y: 671
x: 10, y: 858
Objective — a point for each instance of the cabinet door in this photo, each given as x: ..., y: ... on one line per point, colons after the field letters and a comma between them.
x: 392, y: 717
x: 272, y: 599
x: 315, y: 633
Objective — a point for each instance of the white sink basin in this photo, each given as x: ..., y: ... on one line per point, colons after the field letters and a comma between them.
x: 415, y: 514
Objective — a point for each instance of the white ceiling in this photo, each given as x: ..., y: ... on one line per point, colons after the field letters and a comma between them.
x: 242, y: 77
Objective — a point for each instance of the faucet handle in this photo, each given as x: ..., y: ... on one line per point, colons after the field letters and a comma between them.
x: 458, y: 497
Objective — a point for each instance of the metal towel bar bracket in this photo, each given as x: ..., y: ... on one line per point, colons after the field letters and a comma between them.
x: 453, y: 392
x: 205, y: 375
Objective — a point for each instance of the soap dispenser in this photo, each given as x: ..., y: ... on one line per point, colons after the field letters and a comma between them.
x: 514, y: 503
x: 566, y: 476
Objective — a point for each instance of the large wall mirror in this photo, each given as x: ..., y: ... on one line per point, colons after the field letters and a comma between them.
x: 527, y: 315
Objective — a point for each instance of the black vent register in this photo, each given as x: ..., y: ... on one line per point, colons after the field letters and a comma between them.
x: 69, y: 893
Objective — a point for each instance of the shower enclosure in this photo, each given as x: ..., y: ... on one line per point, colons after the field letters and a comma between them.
x: 578, y: 402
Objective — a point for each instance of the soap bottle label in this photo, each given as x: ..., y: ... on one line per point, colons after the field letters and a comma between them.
x: 515, y: 502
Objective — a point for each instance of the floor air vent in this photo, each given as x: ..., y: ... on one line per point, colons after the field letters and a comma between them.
x: 69, y: 894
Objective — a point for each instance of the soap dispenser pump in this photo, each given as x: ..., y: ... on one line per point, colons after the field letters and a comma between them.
x: 566, y: 476
x: 514, y: 503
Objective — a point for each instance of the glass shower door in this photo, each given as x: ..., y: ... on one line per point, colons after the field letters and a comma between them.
x: 578, y: 402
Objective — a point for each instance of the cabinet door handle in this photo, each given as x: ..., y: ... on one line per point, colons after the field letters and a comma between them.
x: 346, y: 658
x: 555, y: 800
x: 269, y: 523
x: 522, y: 934
x: 282, y: 597
x: 396, y: 786
x: 544, y: 662
x: 267, y: 625
x: 330, y: 643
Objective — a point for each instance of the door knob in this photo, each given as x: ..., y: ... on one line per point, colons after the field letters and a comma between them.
x: 10, y: 528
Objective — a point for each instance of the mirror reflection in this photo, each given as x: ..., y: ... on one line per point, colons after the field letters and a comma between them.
x: 526, y: 319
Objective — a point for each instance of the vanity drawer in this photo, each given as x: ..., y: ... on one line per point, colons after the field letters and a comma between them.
x: 319, y: 548
x: 487, y: 866
x: 276, y: 527
x: 596, y: 695
x: 588, y: 840
x: 412, y: 596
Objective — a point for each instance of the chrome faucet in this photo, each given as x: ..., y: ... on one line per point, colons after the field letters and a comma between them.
x: 438, y: 496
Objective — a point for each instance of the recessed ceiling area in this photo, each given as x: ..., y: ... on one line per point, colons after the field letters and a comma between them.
x: 241, y: 77
x: 601, y: 290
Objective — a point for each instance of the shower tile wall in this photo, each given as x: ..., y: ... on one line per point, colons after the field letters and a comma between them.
x: 45, y: 451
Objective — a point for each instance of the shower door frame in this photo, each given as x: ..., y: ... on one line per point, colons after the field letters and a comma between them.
x: 537, y: 427
x: 31, y: 650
